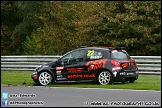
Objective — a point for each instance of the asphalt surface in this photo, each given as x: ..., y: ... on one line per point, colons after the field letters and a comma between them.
x: 29, y: 96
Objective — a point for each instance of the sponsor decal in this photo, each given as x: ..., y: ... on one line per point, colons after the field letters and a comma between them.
x: 116, y: 68
x: 96, y: 64
x: 75, y: 69
x: 130, y: 73
x: 92, y: 55
x: 99, y: 53
x: 125, y: 73
x: 95, y: 57
x: 61, y: 78
x: 60, y: 68
x: 81, y: 76
x: 58, y: 71
x: 121, y: 73
x: 115, y: 73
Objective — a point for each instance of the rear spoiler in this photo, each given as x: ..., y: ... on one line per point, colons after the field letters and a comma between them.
x: 119, y: 48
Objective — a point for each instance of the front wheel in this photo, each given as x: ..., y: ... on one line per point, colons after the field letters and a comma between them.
x: 104, y: 78
x: 45, y: 78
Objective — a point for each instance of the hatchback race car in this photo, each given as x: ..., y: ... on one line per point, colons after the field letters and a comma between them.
x: 89, y: 64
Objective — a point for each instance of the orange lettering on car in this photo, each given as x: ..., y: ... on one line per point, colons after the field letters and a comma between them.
x: 81, y: 76
x: 92, y: 75
x: 75, y: 69
x: 96, y: 64
x: 70, y: 76
x: 90, y: 67
x: 89, y: 63
x: 85, y: 76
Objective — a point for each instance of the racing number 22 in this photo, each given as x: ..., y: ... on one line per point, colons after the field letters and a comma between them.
x: 90, y: 53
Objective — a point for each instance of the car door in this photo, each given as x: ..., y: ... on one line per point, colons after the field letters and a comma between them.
x: 72, y: 66
x: 94, y: 61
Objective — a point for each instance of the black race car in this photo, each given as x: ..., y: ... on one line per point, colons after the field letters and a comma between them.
x: 103, y: 65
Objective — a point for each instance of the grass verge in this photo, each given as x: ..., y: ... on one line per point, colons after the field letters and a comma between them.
x: 143, y: 83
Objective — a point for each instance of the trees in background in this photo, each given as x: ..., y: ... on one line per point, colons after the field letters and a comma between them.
x: 55, y: 27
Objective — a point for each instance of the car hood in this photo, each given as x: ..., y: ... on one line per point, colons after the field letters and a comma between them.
x: 49, y: 64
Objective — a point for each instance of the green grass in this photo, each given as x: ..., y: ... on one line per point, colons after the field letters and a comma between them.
x: 143, y: 82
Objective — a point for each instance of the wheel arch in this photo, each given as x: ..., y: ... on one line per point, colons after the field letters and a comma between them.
x: 52, y: 74
x: 104, y: 69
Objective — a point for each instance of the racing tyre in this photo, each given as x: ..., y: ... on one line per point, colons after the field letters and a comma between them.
x: 105, y: 78
x: 45, y: 78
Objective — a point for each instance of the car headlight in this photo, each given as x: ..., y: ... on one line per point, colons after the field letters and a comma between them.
x: 39, y: 66
x: 35, y: 73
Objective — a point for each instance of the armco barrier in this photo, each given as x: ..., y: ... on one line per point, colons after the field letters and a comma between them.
x: 148, y: 65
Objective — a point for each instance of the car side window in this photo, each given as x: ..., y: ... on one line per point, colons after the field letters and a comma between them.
x: 75, y: 56
x: 94, y: 55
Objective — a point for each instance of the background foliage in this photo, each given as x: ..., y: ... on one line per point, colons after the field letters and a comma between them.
x: 55, y: 27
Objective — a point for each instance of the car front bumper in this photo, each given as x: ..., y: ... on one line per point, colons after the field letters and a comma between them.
x: 34, y: 77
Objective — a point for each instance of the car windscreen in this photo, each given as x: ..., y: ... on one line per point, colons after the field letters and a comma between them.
x: 119, y: 54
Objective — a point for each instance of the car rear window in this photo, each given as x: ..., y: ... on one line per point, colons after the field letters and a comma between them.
x: 119, y: 54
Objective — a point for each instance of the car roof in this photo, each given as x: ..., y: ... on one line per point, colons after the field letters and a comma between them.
x: 103, y: 48
x: 100, y: 48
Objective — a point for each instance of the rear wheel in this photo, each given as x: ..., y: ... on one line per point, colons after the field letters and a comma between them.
x: 45, y: 78
x: 104, y: 78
